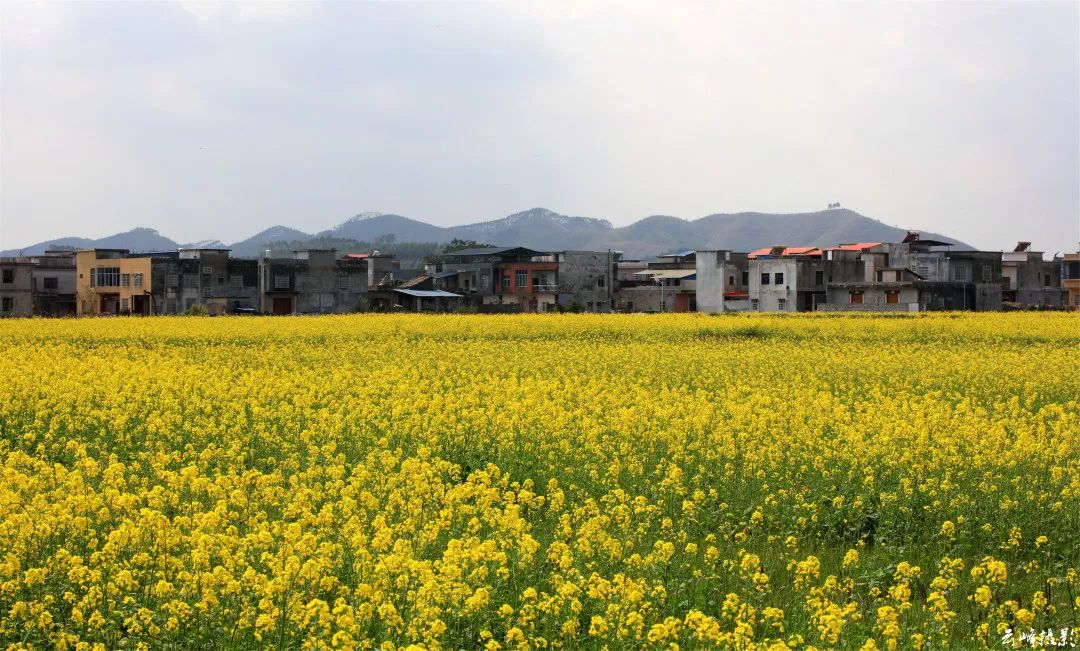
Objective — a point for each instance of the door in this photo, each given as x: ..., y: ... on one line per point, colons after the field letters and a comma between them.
x: 856, y: 298
x: 282, y: 305
x: 892, y: 296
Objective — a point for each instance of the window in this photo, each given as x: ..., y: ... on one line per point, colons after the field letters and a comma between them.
x: 745, y: 278
x: 923, y: 270
x: 1046, y: 280
x: 960, y: 274
x: 207, y: 270
x: 221, y: 279
x: 987, y: 273
x: 170, y: 306
x: 764, y: 279
x: 236, y: 281
x: 136, y: 280
x: 281, y: 281
x: 8, y: 304
x: 819, y: 278
x: 856, y: 298
x: 205, y: 292
x: 108, y: 276
x: 9, y: 276
x: 781, y: 304
x: 125, y: 305
x: 343, y: 283
x: 172, y: 280
x: 778, y: 278
x: 50, y: 282
x: 600, y: 282
x: 521, y: 278
x: 191, y: 282
x: 506, y: 282
x: 125, y: 280
x: 754, y: 304
x: 731, y: 281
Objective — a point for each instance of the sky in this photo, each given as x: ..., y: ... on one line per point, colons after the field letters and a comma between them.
x: 215, y: 120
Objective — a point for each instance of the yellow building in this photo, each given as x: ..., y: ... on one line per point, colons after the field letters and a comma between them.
x: 108, y: 281
x: 1070, y: 278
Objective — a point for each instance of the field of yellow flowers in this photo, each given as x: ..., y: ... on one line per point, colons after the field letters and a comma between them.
x: 545, y: 481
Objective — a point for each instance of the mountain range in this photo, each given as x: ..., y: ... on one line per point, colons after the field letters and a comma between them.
x: 545, y: 230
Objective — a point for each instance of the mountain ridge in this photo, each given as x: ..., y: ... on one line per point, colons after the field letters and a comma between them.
x: 544, y: 229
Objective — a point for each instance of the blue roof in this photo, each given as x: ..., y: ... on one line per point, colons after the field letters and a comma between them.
x: 427, y: 293
x: 677, y: 254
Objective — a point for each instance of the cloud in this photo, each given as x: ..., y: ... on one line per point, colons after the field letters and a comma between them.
x: 228, y: 117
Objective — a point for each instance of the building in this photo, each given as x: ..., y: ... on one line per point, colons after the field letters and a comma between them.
x: 16, y: 287
x: 313, y: 281
x: 112, y: 281
x: 500, y: 278
x: 721, y: 281
x: 205, y: 277
x: 1028, y: 279
x: 1070, y: 278
x: 586, y: 280
x: 860, y: 278
x: 786, y: 279
x: 665, y: 285
x: 417, y: 294
x: 948, y: 279
x: 54, y: 283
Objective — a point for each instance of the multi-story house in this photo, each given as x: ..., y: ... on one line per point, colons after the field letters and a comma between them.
x: 722, y: 277
x: 54, y: 283
x: 860, y: 278
x: 786, y: 279
x: 16, y: 287
x: 500, y: 278
x: 1028, y: 279
x: 948, y: 279
x: 313, y: 282
x: 205, y: 277
x: 586, y: 280
x: 665, y: 285
x: 1070, y: 278
x: 112, y: 281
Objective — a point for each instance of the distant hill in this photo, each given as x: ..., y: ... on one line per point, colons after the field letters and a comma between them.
x: 546, y: 230
x: 253, y: 246
x: 137, y: 239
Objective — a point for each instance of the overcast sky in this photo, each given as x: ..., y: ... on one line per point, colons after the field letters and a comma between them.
x: 216, y: 120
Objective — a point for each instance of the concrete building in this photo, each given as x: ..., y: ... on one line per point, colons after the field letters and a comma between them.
x: 417, y: 294
x: 721, y: 281
x: 1070, y: 278
x: 16, y: 287
x: 54, y: 283
x: 586, y: 280
x: 112, y: 281
x: 205, y: 277
x: 665, y: 285
x: 1028, y: 279
x: 313, y: 282
x: 948, y: 279
x: 860, y: 278
x: 786, y: 279
x: 500, y: 278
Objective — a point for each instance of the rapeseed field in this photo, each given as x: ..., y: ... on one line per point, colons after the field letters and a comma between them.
x: 536, y: 482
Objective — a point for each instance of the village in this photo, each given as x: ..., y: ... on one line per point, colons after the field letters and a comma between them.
x: 913, y: 275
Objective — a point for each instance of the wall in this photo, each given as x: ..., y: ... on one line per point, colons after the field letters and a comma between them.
x: 711, y: 274
x: 18, y: 293
x: 769, y: 296
x: 585, y: 278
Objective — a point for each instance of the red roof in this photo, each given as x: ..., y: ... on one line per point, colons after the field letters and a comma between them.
x: 857, y: 246
x: 811, y: 251
x: 736, y: 295
x: 355, y: 256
